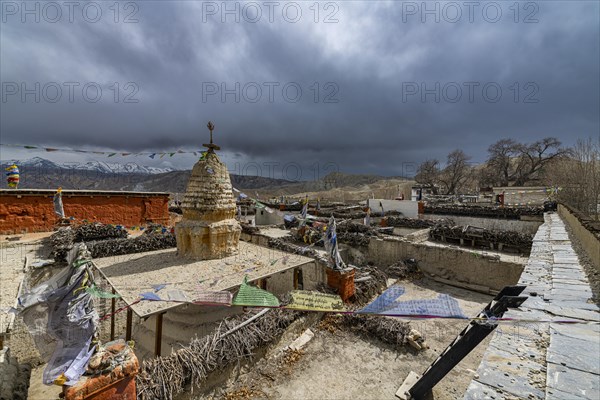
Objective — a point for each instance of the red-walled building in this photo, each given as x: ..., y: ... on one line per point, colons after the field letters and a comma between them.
x: 32, y: 210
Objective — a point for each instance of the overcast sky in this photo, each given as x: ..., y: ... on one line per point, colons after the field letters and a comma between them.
x: 384, y: 85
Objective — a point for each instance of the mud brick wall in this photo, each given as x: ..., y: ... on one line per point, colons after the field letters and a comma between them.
x: 462, y: 266
x: 34, y: 212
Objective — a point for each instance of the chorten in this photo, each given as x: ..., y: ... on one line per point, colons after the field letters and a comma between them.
x: 208, y: 229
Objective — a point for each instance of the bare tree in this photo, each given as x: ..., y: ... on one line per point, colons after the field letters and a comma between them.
x: 579, y: 177
x: 428, y: 174
x: 500, y: 165
x: 510, y: 162
x: 456, y: 172
x: 536, y: 156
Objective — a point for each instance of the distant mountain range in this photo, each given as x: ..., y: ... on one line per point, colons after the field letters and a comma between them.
x: 39, y: 173
x: 102, y: 167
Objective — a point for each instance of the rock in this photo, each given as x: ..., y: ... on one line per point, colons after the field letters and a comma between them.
x: 116, y: 346
x: 301, y: 341
x: 413, y: 343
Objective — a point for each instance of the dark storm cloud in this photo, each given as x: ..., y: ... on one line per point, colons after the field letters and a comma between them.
x: 370, y: 58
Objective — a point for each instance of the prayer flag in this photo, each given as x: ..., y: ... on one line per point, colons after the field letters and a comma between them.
x: 249, y: 295
x: 315, y: 301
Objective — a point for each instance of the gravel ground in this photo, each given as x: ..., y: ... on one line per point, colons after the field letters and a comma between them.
x: 592, y: 272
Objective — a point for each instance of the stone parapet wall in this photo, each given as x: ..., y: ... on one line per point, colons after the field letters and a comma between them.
x: 588, y: 239
x: 468, y: 268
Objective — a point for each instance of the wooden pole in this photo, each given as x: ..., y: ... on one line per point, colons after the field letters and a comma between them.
x: 128, y: 326
x: 158, y: 337
x: 112, y: 317
x: 296, y: 279
x: 246, y: 322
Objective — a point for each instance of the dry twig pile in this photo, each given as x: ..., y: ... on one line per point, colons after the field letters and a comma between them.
x: 106, y: 240
x: 165, y: 377
x: 483, y: 211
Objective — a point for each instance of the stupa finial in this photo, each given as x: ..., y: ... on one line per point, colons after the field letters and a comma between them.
x: 211, y: 146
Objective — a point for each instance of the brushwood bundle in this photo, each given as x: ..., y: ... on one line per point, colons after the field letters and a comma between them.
x: 95, y: 231
x: 479, y: 237
x: 484, y: 211
x: 142, y: 243
x: 165, y: 377
x: 402, y: 222
x: 107, y: 240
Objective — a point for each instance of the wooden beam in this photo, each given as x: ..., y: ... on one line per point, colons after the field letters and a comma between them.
x: 128, y: 326
x: 158, y: 337
x: 112, y: 316
x: 295, y: 278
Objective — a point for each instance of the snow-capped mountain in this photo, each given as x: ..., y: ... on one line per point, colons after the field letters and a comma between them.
x: 39, y: 173
x: 95, y: 166
x: 116, y: 168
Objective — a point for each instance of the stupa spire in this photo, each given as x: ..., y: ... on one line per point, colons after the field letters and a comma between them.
x: 211, y: 146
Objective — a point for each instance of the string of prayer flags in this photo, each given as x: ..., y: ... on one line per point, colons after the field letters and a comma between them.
x: 97, y: 292
x: 315, y: 301
x: 150, y: 296
x: 249, y: 295
x: 12, y: 176
x: 151, y: 154
x: 177, y: 295
x: 304, y: 211
x: 331, y: 246
x: 367, y: 220
x: 158, y: 287
x: 442, y: 306
x: 222, y: 298
x: 58, y: 204
x: 387, y: 303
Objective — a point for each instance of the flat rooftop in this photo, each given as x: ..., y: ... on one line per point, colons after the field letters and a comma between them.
x: 132, y: 274
x: 76, y: 192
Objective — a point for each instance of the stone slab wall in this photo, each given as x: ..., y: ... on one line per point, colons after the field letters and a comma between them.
x: 35, y: 213
x: 588, y: 240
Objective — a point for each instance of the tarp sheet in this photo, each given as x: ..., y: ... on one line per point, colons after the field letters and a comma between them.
x: 60, y: 316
